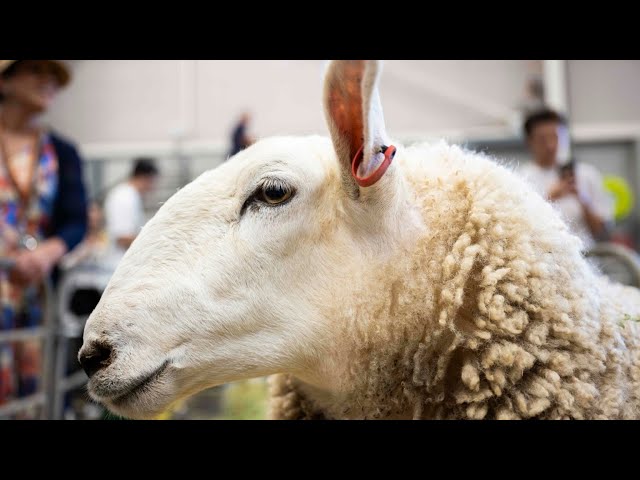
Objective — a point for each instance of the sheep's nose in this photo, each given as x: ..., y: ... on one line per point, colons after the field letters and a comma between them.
x: 95, y: 357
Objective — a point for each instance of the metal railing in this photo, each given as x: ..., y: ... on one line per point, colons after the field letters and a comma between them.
x: 176, y: 170
x: 617, y: 262
x: 54, y: 384
x: 44, y: 332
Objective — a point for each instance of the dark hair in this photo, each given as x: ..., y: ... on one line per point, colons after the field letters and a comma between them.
x: 144, y: 166
x: 8, y: 72
x: 11, y: 69
x: 545, y: 115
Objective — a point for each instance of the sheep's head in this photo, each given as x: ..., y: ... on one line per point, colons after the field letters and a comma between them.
x: 239, y: 273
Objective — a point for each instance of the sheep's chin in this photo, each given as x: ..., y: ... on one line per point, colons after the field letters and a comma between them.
x: 143, y: 397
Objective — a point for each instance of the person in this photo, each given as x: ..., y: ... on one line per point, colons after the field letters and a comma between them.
x: 575, y: 188
x: 124, y: 209
x: 239, y: 138
x: 42, y: 210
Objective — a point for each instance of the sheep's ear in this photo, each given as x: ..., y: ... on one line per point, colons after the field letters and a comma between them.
x: 354, y: 115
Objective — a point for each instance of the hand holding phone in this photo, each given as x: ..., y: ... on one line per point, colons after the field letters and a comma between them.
x: 567, y: 170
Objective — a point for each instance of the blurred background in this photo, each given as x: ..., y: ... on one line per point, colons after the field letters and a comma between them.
x: 184, y: 117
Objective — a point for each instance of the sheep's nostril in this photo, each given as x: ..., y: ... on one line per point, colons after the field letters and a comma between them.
x: 95, y: 357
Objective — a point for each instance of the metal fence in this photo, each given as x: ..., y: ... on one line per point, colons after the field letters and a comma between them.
x: 54, y: 384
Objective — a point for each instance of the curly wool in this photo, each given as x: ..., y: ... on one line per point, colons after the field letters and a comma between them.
x: 494, y: 314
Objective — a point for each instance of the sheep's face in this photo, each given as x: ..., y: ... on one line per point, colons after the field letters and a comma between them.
x: 240, y: 274
x: 228, y: 280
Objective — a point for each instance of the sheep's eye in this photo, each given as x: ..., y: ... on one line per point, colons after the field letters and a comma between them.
x: 274, y: 193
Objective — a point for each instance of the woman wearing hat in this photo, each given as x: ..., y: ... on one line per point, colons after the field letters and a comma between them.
x: 42, y: 208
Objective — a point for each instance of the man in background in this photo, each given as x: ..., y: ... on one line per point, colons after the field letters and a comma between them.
x: 124, y: 208
x: 240, y: 139
x: 574, y: 188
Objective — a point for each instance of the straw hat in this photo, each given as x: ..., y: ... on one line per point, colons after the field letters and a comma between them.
x: 58, y: 68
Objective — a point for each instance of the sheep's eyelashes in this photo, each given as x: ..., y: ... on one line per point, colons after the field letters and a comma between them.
x: 269, y: 194
x: 274, y: 194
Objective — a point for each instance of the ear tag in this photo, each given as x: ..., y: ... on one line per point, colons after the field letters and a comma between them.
x: 389, y: 152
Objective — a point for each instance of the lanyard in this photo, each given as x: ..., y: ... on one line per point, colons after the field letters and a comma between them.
x: 25, y: 197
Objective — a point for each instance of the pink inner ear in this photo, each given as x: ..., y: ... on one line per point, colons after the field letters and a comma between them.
x: 345, y: 105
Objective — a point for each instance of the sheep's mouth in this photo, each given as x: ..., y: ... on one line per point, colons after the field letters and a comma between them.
x: 137, y: 387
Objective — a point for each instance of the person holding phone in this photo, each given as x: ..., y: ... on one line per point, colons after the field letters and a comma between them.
x: 575, y: 188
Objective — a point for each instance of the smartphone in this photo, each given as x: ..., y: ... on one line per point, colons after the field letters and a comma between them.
x: 568, y: 169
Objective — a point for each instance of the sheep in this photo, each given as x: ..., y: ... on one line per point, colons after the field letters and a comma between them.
x: 433, y: 284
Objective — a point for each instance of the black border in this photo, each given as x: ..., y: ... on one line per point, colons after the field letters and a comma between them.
x: 315, y: 31
x: 432, y: 30
x: 534, y: 445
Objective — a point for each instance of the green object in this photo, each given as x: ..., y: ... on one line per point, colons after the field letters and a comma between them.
x: 622, y: 194
x: 246, y: 400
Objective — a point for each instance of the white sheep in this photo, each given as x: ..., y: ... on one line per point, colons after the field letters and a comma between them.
x: 445, y: 288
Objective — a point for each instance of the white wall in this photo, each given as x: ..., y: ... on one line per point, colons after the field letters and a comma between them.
x: 117, y: 102
x: 121, y: 101
x: 604, y: 91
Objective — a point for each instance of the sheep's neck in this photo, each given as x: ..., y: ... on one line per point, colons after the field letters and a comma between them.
x: 371, y: 355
